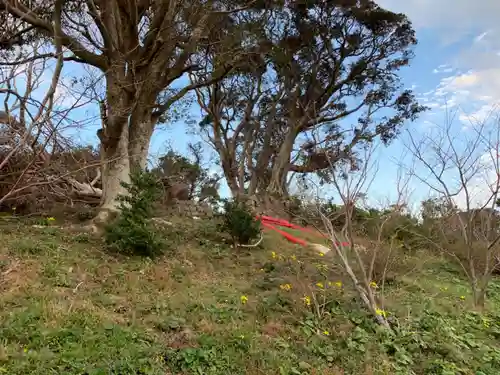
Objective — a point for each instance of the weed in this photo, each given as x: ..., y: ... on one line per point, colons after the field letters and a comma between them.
x: 30, y: 246
x: 82, y: 238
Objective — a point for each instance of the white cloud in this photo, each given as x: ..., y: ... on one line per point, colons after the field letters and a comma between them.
x: 465, y: 80
x: 485, y: 112
x: 443, y: 68
x: 475, y: 22
x: 468, y: 88
x: 481, y: 36
x: 454, y: 16
x: 452, y: 21
x: 473, y: 156
x: 63, y: 97
x: 482, y: 185
x: 475, y: 93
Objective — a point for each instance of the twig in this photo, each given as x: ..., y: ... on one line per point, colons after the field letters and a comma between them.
x: 76, y: 288
x: 256, y: 244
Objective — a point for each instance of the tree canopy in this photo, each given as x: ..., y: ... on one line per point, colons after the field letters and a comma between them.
x: 140, y: 48
x: 285, y: 87
x: 326, y: 83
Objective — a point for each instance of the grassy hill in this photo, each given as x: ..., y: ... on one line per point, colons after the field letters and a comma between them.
x: 68, y: 307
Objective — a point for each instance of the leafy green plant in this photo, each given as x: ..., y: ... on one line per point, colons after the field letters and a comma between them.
x: 239, y: 222
x: 211, y: 357
x: 132, y: 233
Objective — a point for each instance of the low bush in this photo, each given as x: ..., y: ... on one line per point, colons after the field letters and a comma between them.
x: 132, y: 233
x: 239, y: 222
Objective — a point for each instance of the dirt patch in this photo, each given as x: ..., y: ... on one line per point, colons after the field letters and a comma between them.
x: 205, y: 326
x: 182, y: 339
x: 272, y: 329
x: 18, y: 275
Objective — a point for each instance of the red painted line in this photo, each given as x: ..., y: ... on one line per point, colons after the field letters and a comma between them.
x: 285, y: 223
x: 288, y: 236
x: 270, y: 222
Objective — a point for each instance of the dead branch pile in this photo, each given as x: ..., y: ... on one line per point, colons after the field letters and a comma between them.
x: 33, y: 181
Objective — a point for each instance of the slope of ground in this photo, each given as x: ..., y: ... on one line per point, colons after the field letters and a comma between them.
x: 68, y: 307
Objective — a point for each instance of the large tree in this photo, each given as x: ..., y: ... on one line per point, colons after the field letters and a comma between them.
x: 325, y: 84
x: 140, y: 48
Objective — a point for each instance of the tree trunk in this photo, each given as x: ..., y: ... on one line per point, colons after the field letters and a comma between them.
x: 281, y: 167
x: 117, y: 166
x: 229, y: 169
x: 115, y: 169
x: 127, y: 127
x: 140, y: 133
x: 139, y: 148
x: 130, y: 152
x: 480, y: 299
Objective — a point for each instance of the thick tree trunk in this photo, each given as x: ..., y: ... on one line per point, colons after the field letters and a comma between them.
x: 118, y: 163
x: 228, y: 168
x: 278, y: 187
x: 120, y: 156
x: 139, y: 146
x: 115, y: 170
x: 126, y: 134
x: 281, y: 167
x: 141, y: 131
x: 259, y: 179
x: 232, y: 182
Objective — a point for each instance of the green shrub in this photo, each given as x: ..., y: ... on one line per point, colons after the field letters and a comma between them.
x: 239, y: 222
x: 131, y: 233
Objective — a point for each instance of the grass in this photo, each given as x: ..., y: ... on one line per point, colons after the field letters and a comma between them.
x: 68, y: 307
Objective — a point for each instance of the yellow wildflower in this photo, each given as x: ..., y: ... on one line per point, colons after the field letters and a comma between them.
x: 462, y: 297
x: 373, y: 284
x: 381, y: 312
x: 51, y: 219
x: 326, y: 333
x: 286, y: 287
x: 244, y: 299
x: 321, y: 254
x: 307, y: 300
x: 293, y: 257
x: 320, y: 285
x: 25, y: 350
x: 337, y: 284
x: 273, y: 255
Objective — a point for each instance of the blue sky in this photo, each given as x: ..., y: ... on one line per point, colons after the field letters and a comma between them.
x: 456, y: 71
x: 456, y: 68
